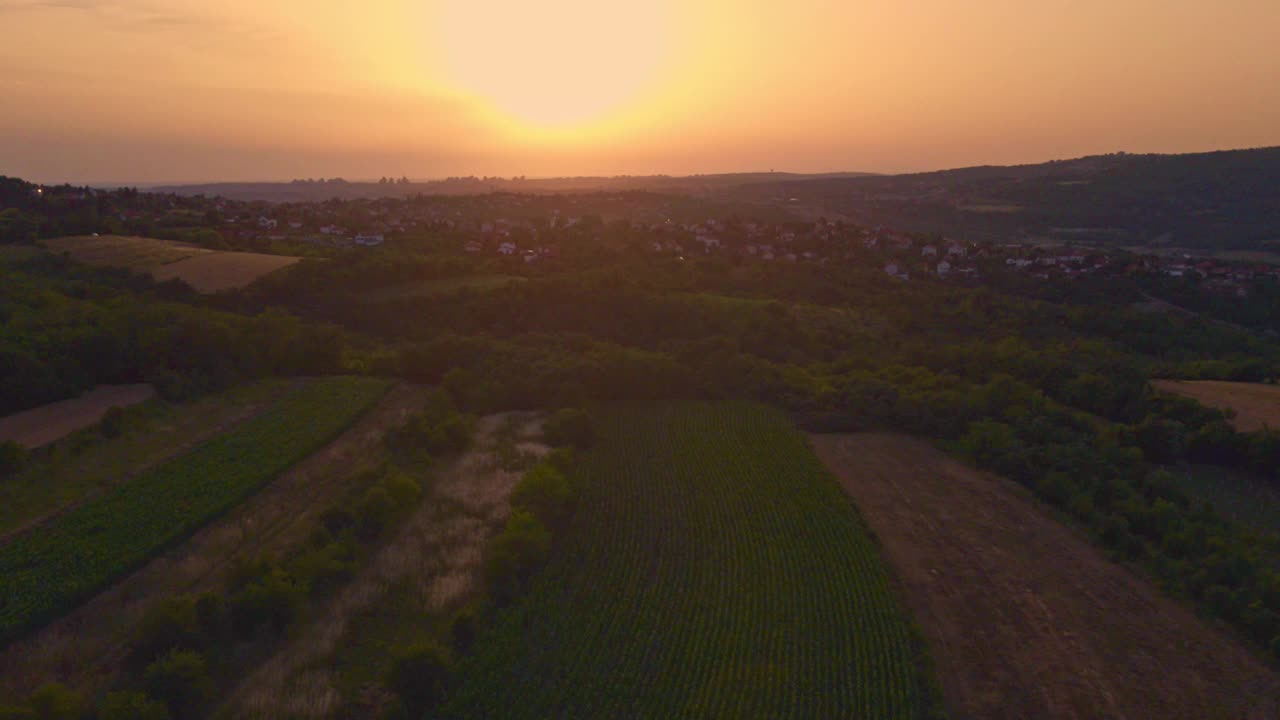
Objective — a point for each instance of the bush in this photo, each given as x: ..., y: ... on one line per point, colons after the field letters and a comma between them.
x: 515, y: 555
x: 420, y: 676
x: 271, y: 600
x: 172, y: 624
x: 463, y: 631
x: 131, y: 706
x: 55, y: 701
x: 545, y: 492
x: 12, y: 457
x: 112, y: 423
x: 572, y: 427
x: 181, y: 681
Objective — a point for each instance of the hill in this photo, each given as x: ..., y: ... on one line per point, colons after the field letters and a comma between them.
x: 1218, y: 200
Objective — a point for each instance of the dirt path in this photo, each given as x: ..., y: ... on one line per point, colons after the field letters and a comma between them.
x: 40, y: 426
x: 1025, y: 619
x: 85, y: 648
x: 437, y: 551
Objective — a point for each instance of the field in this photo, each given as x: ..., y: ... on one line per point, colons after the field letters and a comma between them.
x: 40, y: 426
x: 45, y: 572
x: 87, y: 647
x: 205, y: 270
x: 1256, y: 405
x: 714, y: 569
x: 1240, y: 496
x: 87, y: 463
x: 1026, y: 619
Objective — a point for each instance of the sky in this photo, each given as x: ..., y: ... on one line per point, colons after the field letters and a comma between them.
x: 202, y: 90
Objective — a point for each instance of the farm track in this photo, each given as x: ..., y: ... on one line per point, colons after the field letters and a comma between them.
x: 85, y: 648
x: 1024, y: 618
x: 247, y: 413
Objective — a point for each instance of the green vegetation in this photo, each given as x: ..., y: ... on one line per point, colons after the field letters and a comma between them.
x: 713, y: 569
x: 45, y: 572
x: 90, y: 461
x: 444, y: 286
x: 1241, y: 496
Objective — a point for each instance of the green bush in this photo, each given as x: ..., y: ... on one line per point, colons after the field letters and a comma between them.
x: 172, y: 624
x: 514, y: 556
x: 12, y: 457
x: 545, y: 492
x: 420, y: 676
x: 131, y: 706
x: 273, y: 600
x: 181, y: 681
x: 55, y: 701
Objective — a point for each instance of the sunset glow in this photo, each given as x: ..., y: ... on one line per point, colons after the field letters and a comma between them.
x: 197, y: 89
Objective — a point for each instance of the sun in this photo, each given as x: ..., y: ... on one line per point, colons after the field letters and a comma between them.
x: 555, y: 63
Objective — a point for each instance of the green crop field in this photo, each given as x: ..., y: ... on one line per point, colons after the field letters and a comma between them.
x: 46, y: 571
x: 714, y: 569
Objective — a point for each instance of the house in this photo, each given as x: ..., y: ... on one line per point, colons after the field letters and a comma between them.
x: 266, y: 222
x: 507, y: 248
x: 369, y: 240
x: 471, y: 246
x: 944, y: 267
x: 929, y: 251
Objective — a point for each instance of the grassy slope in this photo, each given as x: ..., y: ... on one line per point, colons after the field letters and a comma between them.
x: 715, y: 569
x: 85, y: 463
x: 47, y: 571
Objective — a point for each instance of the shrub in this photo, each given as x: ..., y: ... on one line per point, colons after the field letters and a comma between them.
x: 420, y: 677
x: 272, y: 600
x: 112, y: 423
x: 515, y: 555
x: 169, y: 625
x: 131, y: 706
x: 181, y: 681
x: 463, y: 631
x: 55, y: 701
x: 545, y: 492
x: 12, y: 457
x: 572, y: 427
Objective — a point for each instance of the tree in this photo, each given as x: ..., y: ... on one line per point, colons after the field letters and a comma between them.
x: 181, y: 681
x: 545, y: 492
x: 420, y: 676
x: 55, y: 701
x: 131, y: 706
x: 515, y: 555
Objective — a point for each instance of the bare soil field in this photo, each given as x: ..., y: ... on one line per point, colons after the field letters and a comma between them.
x: 1023, y: 617
x: 1256, y: 405
x: 85, y: 649
x: 40, y: 426
x: 432, y: 565
x: 205, y: 270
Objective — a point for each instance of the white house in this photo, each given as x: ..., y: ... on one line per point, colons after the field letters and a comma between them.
x: 507, y: 248
x: 944, y: 267
x: 369, y: 240
x: 929, y: 251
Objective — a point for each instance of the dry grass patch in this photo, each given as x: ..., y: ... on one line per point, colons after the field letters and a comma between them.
x: 1256, y: 405
x: 205, y: 270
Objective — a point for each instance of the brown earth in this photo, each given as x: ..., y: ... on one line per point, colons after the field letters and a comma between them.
x: 1256, y: 405
x: 85, y: 648
x: 40, y: 426
x: 1023, y: 617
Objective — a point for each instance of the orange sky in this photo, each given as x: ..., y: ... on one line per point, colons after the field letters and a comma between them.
x: 177, y: 90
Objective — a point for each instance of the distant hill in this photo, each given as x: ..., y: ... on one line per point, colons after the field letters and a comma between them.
x: 317, y: 190
x: 1220, y: 200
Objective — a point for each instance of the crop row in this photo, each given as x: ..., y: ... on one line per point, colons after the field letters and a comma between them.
x: 715, y: 569
x: 50, y: 569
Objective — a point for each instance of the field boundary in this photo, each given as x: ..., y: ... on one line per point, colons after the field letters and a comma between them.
x: 30, y: 560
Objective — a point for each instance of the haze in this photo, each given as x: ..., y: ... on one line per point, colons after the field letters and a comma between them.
x: 193, y: 90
